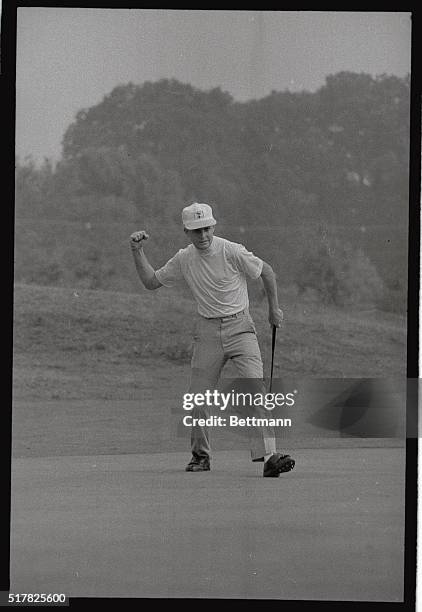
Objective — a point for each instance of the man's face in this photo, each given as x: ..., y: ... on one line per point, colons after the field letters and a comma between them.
x: 201, y: 238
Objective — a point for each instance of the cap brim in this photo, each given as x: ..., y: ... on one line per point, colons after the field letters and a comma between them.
x: 198, y: 223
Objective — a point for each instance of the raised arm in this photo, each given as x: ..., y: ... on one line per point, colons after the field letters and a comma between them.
x: 145, y: 271
x: 275, y: 314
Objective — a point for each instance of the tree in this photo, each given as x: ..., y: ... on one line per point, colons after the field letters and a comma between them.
x: 340, y: 275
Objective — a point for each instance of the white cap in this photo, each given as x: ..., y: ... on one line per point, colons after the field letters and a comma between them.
x: 197, y: 215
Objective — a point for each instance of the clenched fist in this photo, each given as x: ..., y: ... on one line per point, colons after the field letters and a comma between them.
x: 137, y: 239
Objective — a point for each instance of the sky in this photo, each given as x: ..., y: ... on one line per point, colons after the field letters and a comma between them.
x: 70, y: 58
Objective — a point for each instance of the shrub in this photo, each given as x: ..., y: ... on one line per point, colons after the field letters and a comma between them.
x: 340, y: 275
x: 89, y: 268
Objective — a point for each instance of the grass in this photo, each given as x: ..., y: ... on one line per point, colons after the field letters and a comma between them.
x: 96, y: 255
x: 73, y: 343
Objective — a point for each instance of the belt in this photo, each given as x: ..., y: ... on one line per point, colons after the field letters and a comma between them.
x: 227, y: 317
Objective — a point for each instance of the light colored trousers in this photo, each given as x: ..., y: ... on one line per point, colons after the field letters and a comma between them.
x: 216, y: 341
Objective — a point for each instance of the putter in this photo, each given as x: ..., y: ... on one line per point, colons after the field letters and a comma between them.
x: 272, y: 355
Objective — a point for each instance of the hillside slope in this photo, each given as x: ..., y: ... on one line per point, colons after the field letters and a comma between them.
x: 79, y: 344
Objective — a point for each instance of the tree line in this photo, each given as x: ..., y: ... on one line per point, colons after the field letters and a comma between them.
x: 336, y: 157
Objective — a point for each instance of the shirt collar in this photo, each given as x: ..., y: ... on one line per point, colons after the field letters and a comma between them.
x: 209, y: 251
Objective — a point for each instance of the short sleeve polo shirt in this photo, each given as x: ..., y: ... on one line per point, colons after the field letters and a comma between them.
x: 216, y: 276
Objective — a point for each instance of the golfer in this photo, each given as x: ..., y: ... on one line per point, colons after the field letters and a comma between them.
x: 215, y: 270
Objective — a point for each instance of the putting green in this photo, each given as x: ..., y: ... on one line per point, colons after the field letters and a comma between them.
x: 137, y: 525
